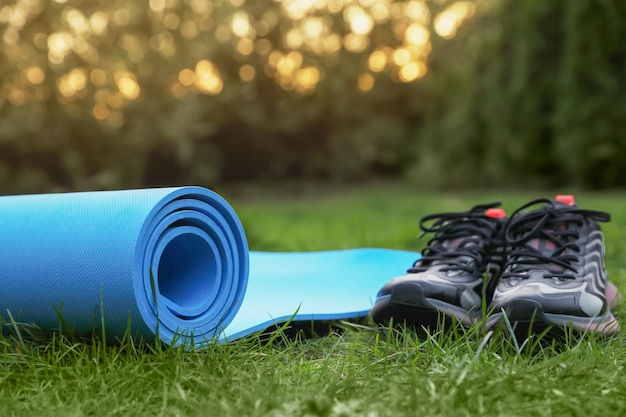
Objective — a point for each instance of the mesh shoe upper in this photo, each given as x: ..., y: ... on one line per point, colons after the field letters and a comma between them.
x: 555, y: 262
x: 455, y: 261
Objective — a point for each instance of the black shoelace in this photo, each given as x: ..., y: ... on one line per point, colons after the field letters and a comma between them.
x: 550, y: 223
x: 460, y: 239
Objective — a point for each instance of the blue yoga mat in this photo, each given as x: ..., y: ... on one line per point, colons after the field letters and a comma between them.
x: 171, y: 264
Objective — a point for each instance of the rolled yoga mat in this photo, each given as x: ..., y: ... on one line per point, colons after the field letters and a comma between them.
x: 170, y: 263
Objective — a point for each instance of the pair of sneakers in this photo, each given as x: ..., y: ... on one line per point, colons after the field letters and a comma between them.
x: 542, y: 266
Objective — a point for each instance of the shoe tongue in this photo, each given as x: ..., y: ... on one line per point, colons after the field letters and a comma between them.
x: 547, y: 247
x: 465, y: 243
x: 452, y: 244
x: 458, y: 244
x: 461, y: 243
x: 472, y: 240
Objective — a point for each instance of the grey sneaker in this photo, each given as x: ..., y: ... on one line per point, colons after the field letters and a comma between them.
x: 554, y: 273
x: 456, y: 273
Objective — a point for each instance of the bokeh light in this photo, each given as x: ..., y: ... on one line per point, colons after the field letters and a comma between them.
x: 247, y: 72
x: 107, y: 55
x: 377, y: 61
x: 207, y: 78
x: 447, y: 22
x: 365, y: 82
x: 34, y: 75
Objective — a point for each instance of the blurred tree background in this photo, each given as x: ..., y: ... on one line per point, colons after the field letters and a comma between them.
x: 101, y: 94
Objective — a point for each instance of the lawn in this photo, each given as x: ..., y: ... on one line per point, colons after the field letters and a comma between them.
x: 359, y: 371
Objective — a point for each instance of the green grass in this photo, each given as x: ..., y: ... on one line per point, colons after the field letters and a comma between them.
x: 362, y: 371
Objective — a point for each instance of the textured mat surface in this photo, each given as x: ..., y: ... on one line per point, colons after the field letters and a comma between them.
x: 173, y: 263
x: 330, y: 285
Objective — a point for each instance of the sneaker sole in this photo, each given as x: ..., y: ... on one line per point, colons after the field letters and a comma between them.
x: 407, y: 304
x: 526, y: 314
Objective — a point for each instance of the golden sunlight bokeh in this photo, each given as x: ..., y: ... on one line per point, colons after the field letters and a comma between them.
x: 207, y: 78
x: 106, y: 55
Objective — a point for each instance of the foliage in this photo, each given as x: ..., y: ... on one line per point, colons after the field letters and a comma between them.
x: 102, y: 95
x: 98, y: 94
x: 536, y: 99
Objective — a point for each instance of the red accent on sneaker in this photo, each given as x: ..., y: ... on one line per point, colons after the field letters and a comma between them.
x: 495, y: 213
x: 565, y: 199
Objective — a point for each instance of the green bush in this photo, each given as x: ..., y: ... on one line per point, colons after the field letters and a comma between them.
x: 531, y: 97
